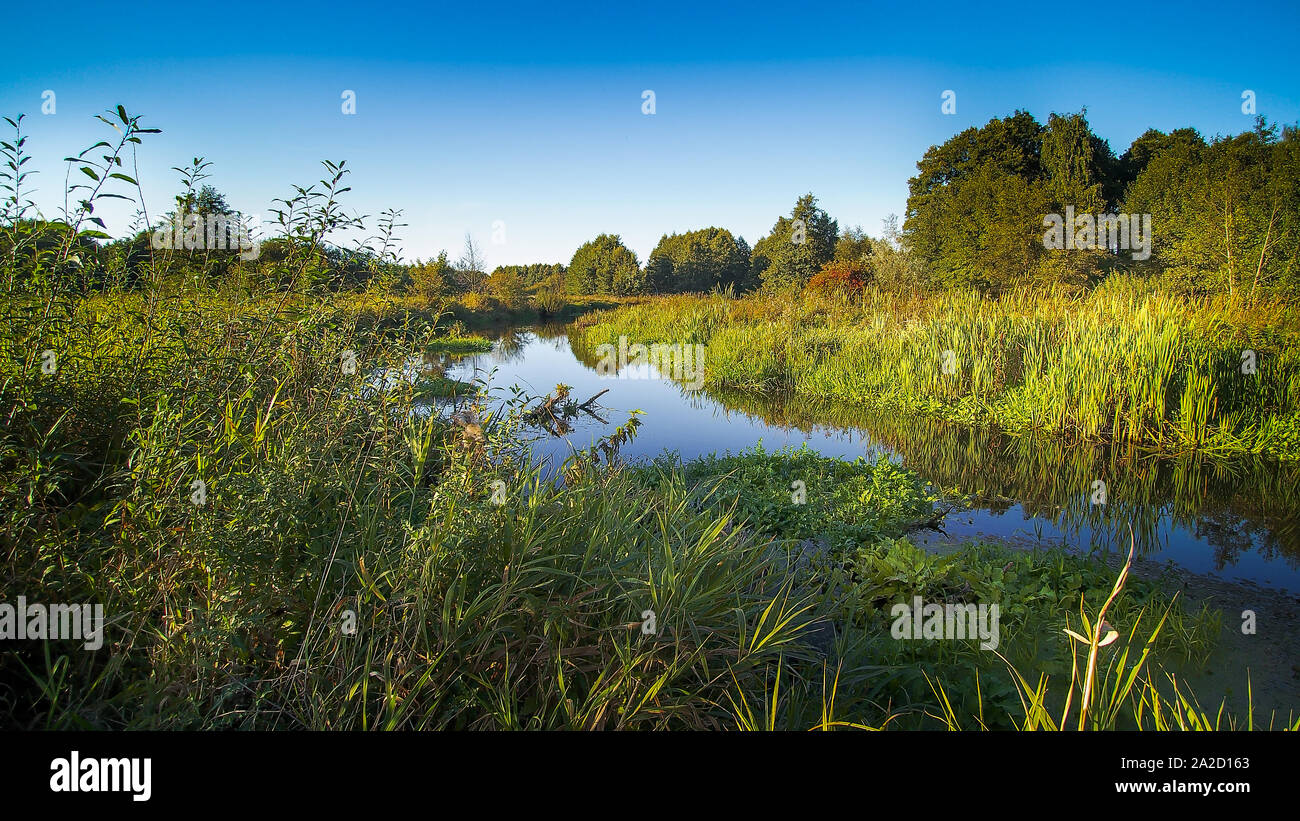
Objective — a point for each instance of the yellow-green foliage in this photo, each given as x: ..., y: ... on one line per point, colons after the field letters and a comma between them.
x: 1123, y: 363
x: 330, y: 501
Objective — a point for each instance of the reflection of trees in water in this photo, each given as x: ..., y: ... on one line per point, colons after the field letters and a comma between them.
x: 1235, y: 505
x: 509, y: 346
x: 430, y: 363
x: 708, y: 402
x: 1231, y: 536
x: 554, y: 331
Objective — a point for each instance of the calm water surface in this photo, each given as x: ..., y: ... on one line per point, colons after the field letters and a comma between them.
x: 1237, y: 519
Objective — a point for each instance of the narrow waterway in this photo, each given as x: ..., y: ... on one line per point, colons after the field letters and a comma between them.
x: 1238, y: 520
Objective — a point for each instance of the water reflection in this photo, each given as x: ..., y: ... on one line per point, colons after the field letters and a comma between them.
x: 1235, y: 506
x: 1237, y: 518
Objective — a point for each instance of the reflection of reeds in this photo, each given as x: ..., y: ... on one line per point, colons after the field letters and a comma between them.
x: 1238, y: 503
x: 1120, y: 365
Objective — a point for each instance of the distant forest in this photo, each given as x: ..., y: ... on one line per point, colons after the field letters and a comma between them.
x: 1224, y: 216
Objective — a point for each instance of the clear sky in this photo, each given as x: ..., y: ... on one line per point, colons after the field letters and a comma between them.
x: 531, y: 114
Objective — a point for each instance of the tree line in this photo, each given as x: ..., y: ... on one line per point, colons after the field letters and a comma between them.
x: 1224, y: 215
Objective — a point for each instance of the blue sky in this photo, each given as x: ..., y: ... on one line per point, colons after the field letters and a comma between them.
x: 531, y: 114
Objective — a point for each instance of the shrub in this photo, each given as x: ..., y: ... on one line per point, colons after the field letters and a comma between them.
x: 552, y: 296
x: 475, y: 301
x: 839, y: 277
x: 431, y: 279
x: 508, y: 287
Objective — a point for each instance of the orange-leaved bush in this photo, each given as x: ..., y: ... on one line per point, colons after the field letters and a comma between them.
x: 839, y: 276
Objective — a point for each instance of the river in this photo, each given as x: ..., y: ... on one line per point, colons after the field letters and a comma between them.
x: 1237, y: 519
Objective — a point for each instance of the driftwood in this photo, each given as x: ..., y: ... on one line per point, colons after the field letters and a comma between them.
x: 588, y: 403
x: 547, y: 408
x: 553, y: 413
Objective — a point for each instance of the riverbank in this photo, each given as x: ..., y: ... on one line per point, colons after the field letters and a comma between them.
x: 1252, y: 666
x: 1125, y: 364
x: 476, y: 313
x: 279, y: 540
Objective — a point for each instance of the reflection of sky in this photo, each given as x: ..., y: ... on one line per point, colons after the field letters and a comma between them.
x: 693, y: 424
x: 1178, y: 544
x: 687, y: 421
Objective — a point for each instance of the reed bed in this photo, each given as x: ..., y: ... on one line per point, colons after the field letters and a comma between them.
x: 348, y: 568
x: 1124, y: 364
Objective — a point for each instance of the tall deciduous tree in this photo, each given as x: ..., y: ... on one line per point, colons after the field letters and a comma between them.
x: 972, y: 204
x: 605, y: 266
x: 698, y: 261
x: 976, y: 206
x: 1226, y: 215
x: 470, y: 275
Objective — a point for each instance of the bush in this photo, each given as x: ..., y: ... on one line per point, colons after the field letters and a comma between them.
x: 475, y: 302
x: 839, y: 277
x: 552, y: 296
x: 508, y: 287
x: 431, y: 280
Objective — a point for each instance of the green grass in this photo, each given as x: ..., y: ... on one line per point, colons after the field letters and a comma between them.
x: 797, y: 494
x: 359, y: 563
x: 442, y: 387
x: 859, y: 514
x: 460, y: 344
x: 1123, y: 364
x: 1050, y: 478
x: 331, y: 507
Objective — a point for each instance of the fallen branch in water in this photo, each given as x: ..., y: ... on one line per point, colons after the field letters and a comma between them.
x: 553, y: 414
x: 548, y: 407
x: 587, y: 404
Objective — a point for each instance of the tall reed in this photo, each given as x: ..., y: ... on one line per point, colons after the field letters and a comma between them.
x: 1122, y: 364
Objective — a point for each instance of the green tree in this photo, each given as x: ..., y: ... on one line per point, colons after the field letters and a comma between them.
x: 532, y: 274
x: 963, y: 200
x: 433, y: 279
x: 1082, y: 174
x: 605, y: 266
x: 1076, y: 163
x: 854, y: 246
x: 508, y: 286
x: 976, y: 207
x: 208, y: 200
x: 1226, y: 216
x: 697, y: 261
x: 1151, y: 144
x: 797, y: 247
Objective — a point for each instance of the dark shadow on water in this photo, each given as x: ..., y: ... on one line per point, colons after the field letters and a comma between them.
x: 1235, y: 505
